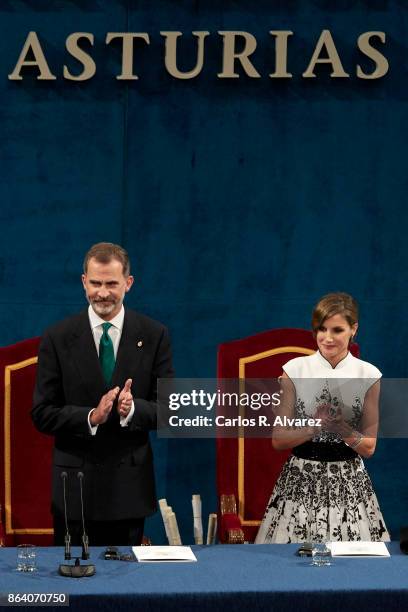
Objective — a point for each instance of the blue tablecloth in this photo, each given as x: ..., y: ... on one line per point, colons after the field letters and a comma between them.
x: 265, y: 577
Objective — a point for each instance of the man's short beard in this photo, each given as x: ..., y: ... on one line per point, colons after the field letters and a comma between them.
x: 103, y: 308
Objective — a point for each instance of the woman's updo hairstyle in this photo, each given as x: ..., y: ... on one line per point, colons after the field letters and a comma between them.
x: 333, y: 304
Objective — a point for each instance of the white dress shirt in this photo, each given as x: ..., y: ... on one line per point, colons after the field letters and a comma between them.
x: 115, y: 333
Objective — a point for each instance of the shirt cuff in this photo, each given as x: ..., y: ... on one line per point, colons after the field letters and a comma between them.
x: 92, y: 428
x: 124, y: 421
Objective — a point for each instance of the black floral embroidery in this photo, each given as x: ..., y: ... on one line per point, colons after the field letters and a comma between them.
x: 357, y: 410
x: 322, y: 501
x: 353, y: 416
x: 300, y: 409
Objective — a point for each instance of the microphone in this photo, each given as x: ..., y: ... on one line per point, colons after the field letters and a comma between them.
x: 85, y: 540
x: 77, y: 570
x: 67, y: 538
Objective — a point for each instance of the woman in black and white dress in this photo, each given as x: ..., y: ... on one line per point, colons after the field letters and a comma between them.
x: 324, y: 492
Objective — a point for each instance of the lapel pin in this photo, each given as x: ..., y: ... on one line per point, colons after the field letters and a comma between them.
x: 140, y: 343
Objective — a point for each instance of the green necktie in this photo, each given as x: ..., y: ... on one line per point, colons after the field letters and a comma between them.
x: 106, y: 353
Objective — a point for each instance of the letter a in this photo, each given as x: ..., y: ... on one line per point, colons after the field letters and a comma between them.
x: 32, y: 44
x: 326, y: 40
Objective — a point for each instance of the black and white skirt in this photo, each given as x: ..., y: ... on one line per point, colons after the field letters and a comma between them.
x: 322, y: 501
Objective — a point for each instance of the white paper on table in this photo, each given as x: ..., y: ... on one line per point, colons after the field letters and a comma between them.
x: 164, y: 553
x: 359, y: 549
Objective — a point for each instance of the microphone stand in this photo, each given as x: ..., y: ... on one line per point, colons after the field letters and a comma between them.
x: 85, y: 539
x: 67, y: 539
x: 77, y: 570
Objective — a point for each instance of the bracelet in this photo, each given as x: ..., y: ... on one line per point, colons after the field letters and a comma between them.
x: 359, y: 439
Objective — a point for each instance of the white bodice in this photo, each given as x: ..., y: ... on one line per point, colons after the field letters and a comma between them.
x: 344, y: 386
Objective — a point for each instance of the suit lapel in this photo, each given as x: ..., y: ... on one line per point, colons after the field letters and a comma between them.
x: 129, y: 350
x: 85, y: 357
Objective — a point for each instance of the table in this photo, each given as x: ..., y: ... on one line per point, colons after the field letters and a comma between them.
x: 225, y: 578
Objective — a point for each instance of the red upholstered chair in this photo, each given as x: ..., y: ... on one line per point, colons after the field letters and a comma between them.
x: 25, y: 458
x: 247, y: 468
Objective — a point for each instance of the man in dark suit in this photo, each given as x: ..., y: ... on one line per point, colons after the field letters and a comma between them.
x: 96, y: 392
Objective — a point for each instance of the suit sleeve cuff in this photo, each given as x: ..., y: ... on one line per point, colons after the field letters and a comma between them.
x: 92, y: 428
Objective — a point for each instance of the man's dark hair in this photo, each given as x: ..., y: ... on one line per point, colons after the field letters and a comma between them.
x: 104, y: 252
